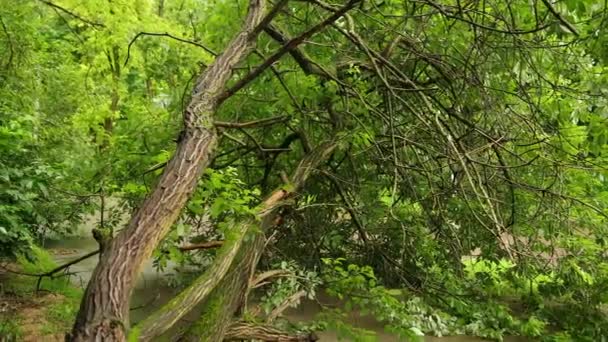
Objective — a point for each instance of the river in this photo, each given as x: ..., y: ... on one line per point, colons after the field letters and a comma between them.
x: 151, y: 292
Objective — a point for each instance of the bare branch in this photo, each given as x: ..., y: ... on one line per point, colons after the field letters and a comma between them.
x: 560, y: 17
x: 72, y: 14
x: 297, y: 54
x: 268, y: 18
x: 253, y: 124
x: 292, y: 44
x: 168, y: 35
x: 255, y: 282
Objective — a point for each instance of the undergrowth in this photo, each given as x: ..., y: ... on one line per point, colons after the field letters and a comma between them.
x: 56, y: 297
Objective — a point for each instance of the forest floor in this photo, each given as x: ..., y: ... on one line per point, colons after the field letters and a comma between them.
x: 29, y: 315
x: 27, y: 318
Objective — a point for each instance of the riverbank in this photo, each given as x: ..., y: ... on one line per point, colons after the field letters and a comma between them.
x: 34, y: 309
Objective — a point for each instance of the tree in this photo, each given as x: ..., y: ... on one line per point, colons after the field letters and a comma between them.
x: 439, y: 133
x: 104, y: 310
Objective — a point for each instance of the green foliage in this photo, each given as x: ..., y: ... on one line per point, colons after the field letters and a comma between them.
x: 134, y: 334
x: 9, y: 328
x: 334, y: 320
x: 291, y: 282
x: 59, y: 314
x: 409, y: 318
x: 39, y: 261
x: 470, y: 181
x: 221, y: 200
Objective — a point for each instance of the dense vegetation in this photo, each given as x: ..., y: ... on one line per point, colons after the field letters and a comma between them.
x: 439, y: 164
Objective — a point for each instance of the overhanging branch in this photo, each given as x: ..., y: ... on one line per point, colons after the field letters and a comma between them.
x: 253, y: 124
x: 290, y: 45
x: 560, y: 17
x: 168, y: 35
x: 72, y: 14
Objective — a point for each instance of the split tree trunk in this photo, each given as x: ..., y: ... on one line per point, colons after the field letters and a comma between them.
x: 104, y: 309
x: 224, y: 286
x: 230, y: 296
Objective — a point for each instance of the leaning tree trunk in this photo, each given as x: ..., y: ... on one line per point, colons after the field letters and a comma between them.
x: 224, y: 286
x: 231, y: 294
x: 104, y: 309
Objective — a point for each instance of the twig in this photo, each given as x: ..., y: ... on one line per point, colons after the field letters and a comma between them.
x: 289, y: 301
x: 262, y: 148
x: 235, y: 139
x: 53, y: 271
x: 155, y: 167
x: 560, y: 17
x: 155, y: 34
x: 84, y: 20
x: 146, y: 304
x: 290, y: 45
x: 253, y: 124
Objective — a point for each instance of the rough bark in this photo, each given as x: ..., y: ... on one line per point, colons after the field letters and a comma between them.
x: 230, y: 294
x: 236, y: 261
x: 260, y: 332
x: 104, y: 310
x: 164, y: 318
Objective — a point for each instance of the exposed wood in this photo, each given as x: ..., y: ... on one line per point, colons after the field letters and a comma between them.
x: 262, y: 277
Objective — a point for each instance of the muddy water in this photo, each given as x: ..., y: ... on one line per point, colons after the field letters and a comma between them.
x: 151, y: 292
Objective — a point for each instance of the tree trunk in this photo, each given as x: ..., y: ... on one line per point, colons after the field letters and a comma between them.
x: 224, y: 285
x: 164, y: 318
x: 104, y: 309
x: 231, y: 292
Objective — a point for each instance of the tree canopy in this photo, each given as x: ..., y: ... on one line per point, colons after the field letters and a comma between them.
x: 439, y: 163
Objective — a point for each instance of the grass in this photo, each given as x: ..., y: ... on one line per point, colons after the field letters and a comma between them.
x: 51, y: 311
x: 9, y: 329
x: 42, y: 262
x: 61, y: 315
